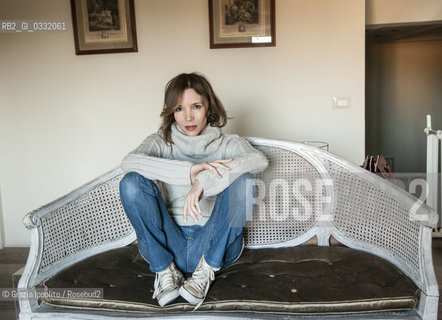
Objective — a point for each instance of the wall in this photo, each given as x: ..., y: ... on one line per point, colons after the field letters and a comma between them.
x: 403, y: 11
x: 65, y: 119
x: 2, y: 228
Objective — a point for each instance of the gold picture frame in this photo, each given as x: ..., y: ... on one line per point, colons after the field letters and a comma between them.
x: 242, y: 23
x: 104, y: 26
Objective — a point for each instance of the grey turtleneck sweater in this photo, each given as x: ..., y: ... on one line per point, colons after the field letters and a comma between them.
x: 170, y: 165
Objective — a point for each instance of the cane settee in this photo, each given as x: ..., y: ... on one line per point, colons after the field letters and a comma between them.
x: 327, y: 239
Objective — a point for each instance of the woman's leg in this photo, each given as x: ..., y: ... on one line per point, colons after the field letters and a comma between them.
x: 220, y: 239
x: 159, y: 239
x: 219, y: 242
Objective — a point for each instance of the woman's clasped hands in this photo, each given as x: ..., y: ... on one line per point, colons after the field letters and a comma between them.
x: 191, y: 204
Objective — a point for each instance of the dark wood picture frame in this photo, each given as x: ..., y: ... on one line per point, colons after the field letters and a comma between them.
x: 109, y: 28
x: 242, y: 23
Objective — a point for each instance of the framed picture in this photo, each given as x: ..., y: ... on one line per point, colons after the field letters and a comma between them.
x: 242, y: 23
x: 104, y: 26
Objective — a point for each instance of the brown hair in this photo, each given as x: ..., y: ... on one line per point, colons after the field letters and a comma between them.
x: 216, y: 114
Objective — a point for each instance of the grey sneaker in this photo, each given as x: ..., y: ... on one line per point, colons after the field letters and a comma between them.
x: 167, y: 284
x: 195, y: 288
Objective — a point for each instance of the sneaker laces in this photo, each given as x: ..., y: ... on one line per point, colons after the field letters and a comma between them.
x: 163, y: 279
x: 202, y: 277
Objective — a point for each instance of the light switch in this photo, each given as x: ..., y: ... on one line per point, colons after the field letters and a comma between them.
x: 341, y: 102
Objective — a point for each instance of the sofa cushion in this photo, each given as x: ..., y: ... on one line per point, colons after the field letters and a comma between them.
x: 295, y: 280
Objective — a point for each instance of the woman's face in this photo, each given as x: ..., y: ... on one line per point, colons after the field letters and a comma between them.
x: 191, y: 113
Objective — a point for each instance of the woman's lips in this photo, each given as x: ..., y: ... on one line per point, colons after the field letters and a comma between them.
x: 190, y: 128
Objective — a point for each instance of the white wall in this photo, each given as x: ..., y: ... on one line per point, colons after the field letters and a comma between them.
x: 65, y: 119
x: 403, y: 11
x: 2, y: 229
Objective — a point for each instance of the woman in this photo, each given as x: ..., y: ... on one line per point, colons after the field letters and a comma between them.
x: 194, y: 224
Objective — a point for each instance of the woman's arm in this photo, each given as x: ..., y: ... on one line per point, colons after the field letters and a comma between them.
x: 245, y: 159
x: 147, y: 160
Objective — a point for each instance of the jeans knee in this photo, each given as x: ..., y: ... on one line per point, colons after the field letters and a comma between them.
x: 129, y: 186
x: 132, y: 183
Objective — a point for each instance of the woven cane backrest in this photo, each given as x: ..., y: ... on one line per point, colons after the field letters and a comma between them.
x: 369, y: 212
x: 285, y: 210
x: 286, y: 207
x: 93, y: 219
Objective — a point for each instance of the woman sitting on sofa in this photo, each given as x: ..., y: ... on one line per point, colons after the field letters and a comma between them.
x: 204, y: 176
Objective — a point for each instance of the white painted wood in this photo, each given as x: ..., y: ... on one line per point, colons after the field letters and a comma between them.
x: 432, y: 164
x: 428, y: 306
x: 433, y: 197
x: 73, y: 316
x: 235, y: 316
x: 343, y: 186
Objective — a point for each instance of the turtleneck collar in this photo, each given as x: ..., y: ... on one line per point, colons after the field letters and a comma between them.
x: 199, y: 146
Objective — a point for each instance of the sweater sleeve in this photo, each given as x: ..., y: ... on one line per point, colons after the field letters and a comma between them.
x: 148, y: 161
x: 245, y: 159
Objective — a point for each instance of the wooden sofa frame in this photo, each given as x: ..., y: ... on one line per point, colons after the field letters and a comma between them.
x: 323, y: 196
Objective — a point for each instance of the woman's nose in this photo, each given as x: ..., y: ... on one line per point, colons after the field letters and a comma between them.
x: 189, y: 115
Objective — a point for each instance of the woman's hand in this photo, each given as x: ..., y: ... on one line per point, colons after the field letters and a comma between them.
x: 197, y: 168
x: 191, y: 204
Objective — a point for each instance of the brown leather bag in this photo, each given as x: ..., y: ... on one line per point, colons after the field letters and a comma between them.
x: 378, y: 164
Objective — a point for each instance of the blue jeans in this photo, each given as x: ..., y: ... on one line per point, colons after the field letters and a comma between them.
x: 161, y: 240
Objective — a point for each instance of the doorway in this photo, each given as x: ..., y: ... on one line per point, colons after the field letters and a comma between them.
x: 403, y: 85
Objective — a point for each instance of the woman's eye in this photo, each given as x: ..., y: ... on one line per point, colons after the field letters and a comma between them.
x: 197, y: 106
x: 178, y: 109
